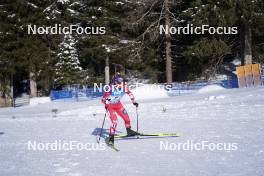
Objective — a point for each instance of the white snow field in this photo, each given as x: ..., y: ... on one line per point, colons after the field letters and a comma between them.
x: 225, y: 117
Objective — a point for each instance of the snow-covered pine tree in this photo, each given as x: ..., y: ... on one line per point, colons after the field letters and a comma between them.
x: 67, y: 68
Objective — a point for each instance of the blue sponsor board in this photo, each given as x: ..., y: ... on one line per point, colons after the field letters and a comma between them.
x: 75, y: 94
x: 230, y: 84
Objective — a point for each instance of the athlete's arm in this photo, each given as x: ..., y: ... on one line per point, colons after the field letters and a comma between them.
x: 129, y: 93
x: 105, y: 97
x: 131, y: 96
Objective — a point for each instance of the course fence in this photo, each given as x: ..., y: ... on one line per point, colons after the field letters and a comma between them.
x: 75, y: 94
x: 191, y: 87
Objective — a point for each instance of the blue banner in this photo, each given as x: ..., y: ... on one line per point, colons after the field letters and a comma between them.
x: 75, y: 94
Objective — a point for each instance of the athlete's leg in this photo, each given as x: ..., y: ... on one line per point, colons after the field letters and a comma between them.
x: 113, y: 118
x: 121, y: 111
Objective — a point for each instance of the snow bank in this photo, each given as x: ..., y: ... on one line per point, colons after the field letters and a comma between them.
x: 210, y: 88
x: 149, y: 91
x: 39, y: 100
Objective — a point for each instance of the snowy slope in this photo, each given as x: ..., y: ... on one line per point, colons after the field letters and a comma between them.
x: 224, y: 116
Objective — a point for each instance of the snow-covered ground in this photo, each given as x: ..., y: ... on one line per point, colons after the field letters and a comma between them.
x: 218, y: 117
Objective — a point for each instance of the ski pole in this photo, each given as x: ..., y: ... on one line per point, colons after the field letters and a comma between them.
x: 137, y: 118
x: 101, y: 132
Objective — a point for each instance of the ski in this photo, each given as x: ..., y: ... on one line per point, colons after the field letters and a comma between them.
x: 112, y: 146
x: 150, y: 135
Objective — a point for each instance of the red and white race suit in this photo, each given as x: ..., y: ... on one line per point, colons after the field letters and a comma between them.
x: 111, y: 99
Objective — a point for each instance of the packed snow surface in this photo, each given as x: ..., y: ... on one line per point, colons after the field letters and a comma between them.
x: 39, y: 100
x: 228, y: 117
x: 210, y: 88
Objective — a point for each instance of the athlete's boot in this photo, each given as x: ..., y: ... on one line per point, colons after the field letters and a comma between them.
x: 131, y: 132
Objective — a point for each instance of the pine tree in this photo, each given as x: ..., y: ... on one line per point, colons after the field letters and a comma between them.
x: 29, y: 54
x: 241, y: 14
x: 168, y: 59
x: 93, y: 52
x: 67, y: 68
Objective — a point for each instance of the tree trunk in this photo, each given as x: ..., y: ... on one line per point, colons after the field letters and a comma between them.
x: 12, y: 91
x: 168, y: 44
x: 107, y: 70
x: 6, y: 99
x: 33, y: 85
x: 246, y: 42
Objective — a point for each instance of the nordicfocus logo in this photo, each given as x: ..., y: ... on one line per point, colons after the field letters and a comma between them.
x: 59, y: 145
x: 199, y: 30
x: 120, y: 88
x: 59, y: 29
x: 198, y: 146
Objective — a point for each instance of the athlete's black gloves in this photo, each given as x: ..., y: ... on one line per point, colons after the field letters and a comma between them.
x: 135, y: 104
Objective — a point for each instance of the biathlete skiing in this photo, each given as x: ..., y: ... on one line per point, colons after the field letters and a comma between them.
x: 113, y: 105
